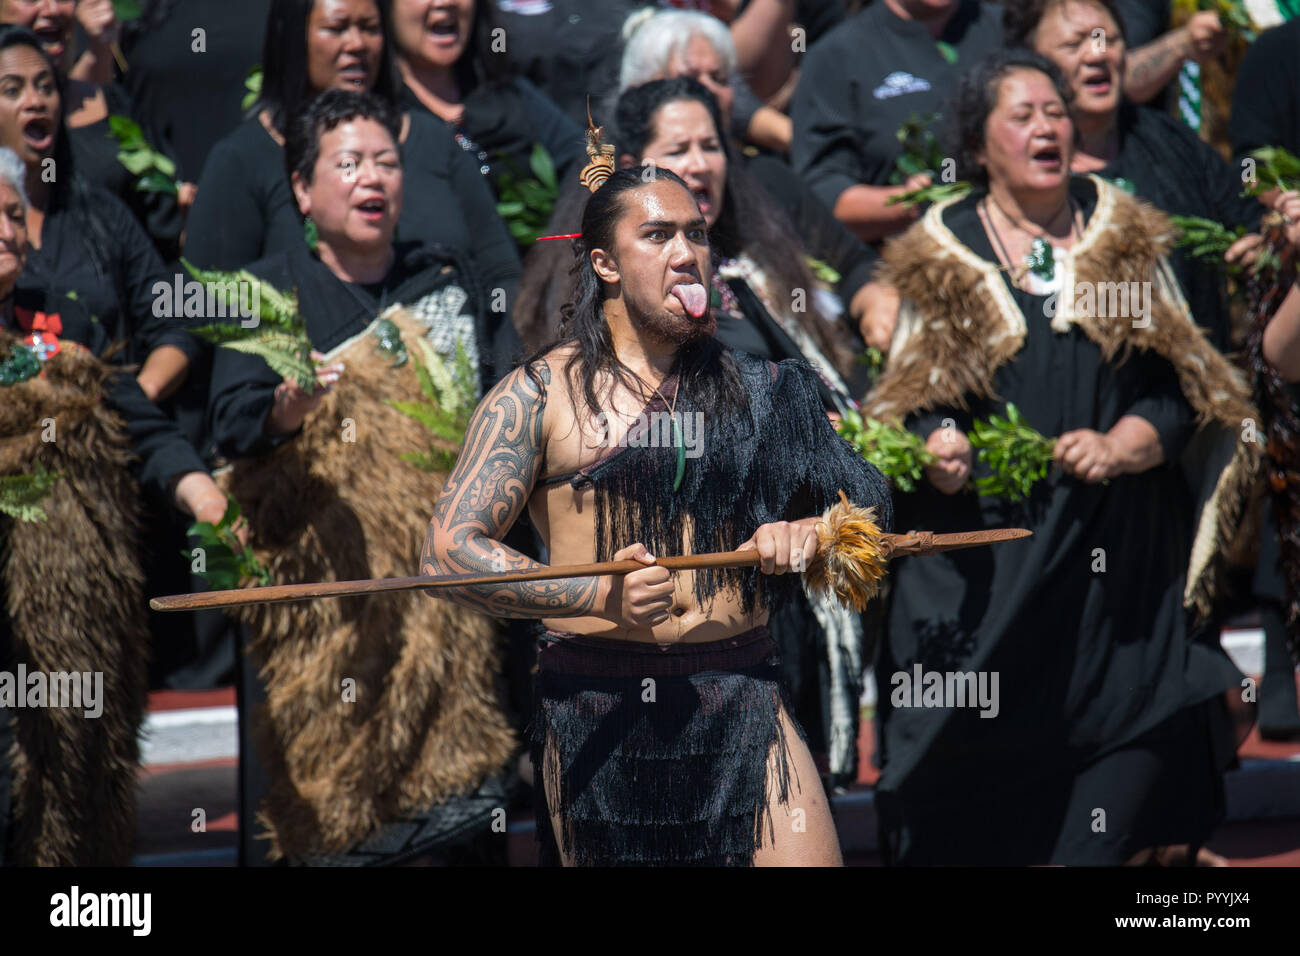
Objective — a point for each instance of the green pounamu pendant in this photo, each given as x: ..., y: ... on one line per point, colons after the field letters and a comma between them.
x: 680, y: 445
x: 1040, y: 259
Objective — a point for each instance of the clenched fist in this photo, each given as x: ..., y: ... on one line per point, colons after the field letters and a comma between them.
x: 640, y: 599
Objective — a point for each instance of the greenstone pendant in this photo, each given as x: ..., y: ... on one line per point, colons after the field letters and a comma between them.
x: 1040, y: 260
x: 679, y: 444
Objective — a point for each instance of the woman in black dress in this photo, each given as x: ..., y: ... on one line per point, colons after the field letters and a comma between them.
x: 451, y: 71
x: 1104, y: 733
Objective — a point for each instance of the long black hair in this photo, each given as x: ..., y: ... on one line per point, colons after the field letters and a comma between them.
x: 69, y: 190
x: 755, y: 226
x: 285, y: 90
x: 703, y: 365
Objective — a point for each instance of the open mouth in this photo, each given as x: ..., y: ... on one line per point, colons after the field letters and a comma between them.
x: 38, y: 134
x: 353, y: 71
x: 704, y: 198
x: 1048, y: 157
x: 51, y: 38
x: 372, y: 210
x: 1097, y: 83
x: 445, y: 32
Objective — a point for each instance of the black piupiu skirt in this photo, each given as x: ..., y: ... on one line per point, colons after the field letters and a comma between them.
x: 659, y: 753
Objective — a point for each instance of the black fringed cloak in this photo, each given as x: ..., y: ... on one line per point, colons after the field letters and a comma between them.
x: 779, y: 459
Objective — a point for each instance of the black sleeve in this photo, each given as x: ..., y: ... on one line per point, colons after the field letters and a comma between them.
x: 164, y: 453
x: 825, y: 146
x: 561, y: 136
x: 743, y: 109
x: 1163, y: 405
x: 1223, y: 185
x: 142, y: 273
x: 239, y: 401
x: 226, y: 225
x: 158, y: 212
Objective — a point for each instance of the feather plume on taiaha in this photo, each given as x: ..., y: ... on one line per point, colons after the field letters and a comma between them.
x: 1265, y: 290
x: 851, y: 555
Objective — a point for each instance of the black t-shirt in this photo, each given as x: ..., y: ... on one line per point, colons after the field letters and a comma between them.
x: 245, y: 210
x: 1266, y: 102
x: 503, y: 121
x: 120, y: 294
x: 94, y: 150
x: 191, y: 84
x: 865, y: 79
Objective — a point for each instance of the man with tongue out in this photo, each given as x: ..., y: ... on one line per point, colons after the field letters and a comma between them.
x: 662, y: 733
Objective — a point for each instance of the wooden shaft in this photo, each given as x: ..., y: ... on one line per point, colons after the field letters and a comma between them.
x: 282, y: 593
x: 893, y: 545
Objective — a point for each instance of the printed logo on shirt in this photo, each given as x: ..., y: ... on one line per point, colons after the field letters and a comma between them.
x: 525, y: 8
x: 900, y: 82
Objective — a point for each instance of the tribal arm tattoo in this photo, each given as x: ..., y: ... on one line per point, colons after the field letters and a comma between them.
x: 481, y: 499
x: 1151, y: 67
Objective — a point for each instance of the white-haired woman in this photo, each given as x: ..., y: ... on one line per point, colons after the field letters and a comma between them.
x: 661, y: 44
x: 71, y: 583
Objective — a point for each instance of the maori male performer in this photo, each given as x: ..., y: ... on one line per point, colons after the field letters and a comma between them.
x: 661, y: 735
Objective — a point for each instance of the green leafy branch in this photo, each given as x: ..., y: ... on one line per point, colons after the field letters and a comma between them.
x: 227, y: 563
x: 921, y: 150
x: 1207, y: 240
x: 1275, y: 168
x: 900, y: 455
x: 526, y: 203
x: 1017, y: 455
x: 21, y: 495
x: 935, y: 192
x: 154, y: 172
x: 252, y: 86
x: 279, y: 337
x: 922, y: 153
x: 822, y: 270
x: 445, y: 409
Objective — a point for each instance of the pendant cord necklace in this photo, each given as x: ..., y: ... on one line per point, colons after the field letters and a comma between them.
x: 679, y: 443
x: 1039, y: 260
